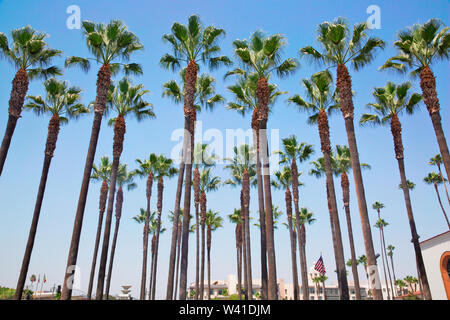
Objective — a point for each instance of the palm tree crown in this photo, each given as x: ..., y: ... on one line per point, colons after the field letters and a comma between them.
x: 243, y: 159
x: 103, y: 171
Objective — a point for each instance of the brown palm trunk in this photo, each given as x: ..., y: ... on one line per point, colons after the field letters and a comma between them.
x: 119, y: 134
x: 208, y: 248
x: 346, y: 198
x: 244, y: 246
x: 396, y: 130
x: 387, y: 265
x: 148, y: 194
x: 324, y: 133
x: 102, y: 206
x: 288, y: 199
x: 189, y: 111
x: 203, y: 221
x: 440, y: 202
x: 150, y: 283
x: 393, y: 274
x: 16, y: 101
x: 119, y: 204
x: 344, y: 85
x: 383, y: 262
x: 263, y: 95
x: 443, y: 181
x: 196, y: 185
x: 262, y: 217
x: 301, y: 231
x: 158, y: 229
x: 428, y: 85
x: 178, y: 253
x: 103, y: 83
x: 175, y: 237
x: 238, y: 234
x: 246, y: 198
x: 52, y: 137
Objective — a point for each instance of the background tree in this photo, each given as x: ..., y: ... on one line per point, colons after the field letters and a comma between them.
x: 341, y: 47
x: 62, y: 103
x: 213, y: 222
x: 437, y: 161
x: 31, y: 56
x: 381, y: 224
x: 418, y: 48
x: 390, y: 248
x: 236, y: 218
x: 435, y: 179
x: 110, y: 46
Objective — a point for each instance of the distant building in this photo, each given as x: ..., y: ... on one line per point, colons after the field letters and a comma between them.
x: 125, y: 295
x: 436, y: 257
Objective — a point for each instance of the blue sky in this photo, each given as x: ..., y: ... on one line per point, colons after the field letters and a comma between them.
x: 298, y: 21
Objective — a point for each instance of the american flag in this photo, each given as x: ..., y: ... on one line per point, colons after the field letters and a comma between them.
x: 320, y: 267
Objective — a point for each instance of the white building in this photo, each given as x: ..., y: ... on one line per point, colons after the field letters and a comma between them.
x: 436, y: 257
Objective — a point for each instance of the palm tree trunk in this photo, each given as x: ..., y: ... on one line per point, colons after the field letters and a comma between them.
x: 440, y: 202
x: 346, y: 197
x: 175, y: 239
x: 428, y: 85
x: 102, y: 206
x: 324, y: 133
x: 238, y: 258
x: 119, y: 204
x: 148, y: 194
x: 103, y: 83
x: 246, y: 198
x: 244, y: 246
x: 178, y: 260
x: 52, y: 137
x: 387, y: 264
x: 119, y: 134
x: 152, y: 264
x: 16, y: 101
x: 190, y: 81
x: 288, y: 199
x: 262, y: 219
x: 396, y: 130
x: 384, y: 266
x: 158, y: 229
x: 344, y: 85
x: 202, y: 268
x: 208, y: 249
x: 196, y: 185
x: 393, y: 273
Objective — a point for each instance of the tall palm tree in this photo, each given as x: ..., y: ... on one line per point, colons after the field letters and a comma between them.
x: 418, y: 48
x: 236, y: 218
x: 208, y: 183
x: 164, y: 168
x: 391, y: 101
x: 124, y: 178
x: 110, y: 46
x: 101, y: 173
x: 146, y: 170
x: 321, y: 104
x: 381, y: 224
x: 124, y: 99
x: 340, y: 48
x: 435, y: 179
x: 143, y: 218
x: 242, y: 169
x: 213, y: 222
x: 437, y: 161
x: 62, y: 103
x: 245, y: 100
x: 191, y: 45
x: 363, y: 260
x: 283, y: 180
x: 390, y: 248
x: 261, y: 56
x: 341, y: 163
x: 301, y: 151
x: 31, y: 56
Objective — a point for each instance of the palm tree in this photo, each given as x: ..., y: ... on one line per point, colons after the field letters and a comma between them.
x: 400, y: 284
x: 31, y: 56
x: 124, y: 178
x: 341, y: 47
x: 213, y: 222
x: 124, y: 99
x: 164, y: 168
x: 236, y: 218
x: 284, y: 179
x: 245, y: 100
x: 322, y: 278
x: 62, y: 103
x: 322, y: 104
x: 409, y: 184
x: 363, y: 260
x: 418, y: 48
x: 261, y: 56
x: 435, y: 179
x: 412, y: 283
x: 301, y: 151
x: 341, y: 163
x: 101, y: 173
x: 242, y: 167
x: 110, y: 45
x: 437, y: 161
x: 208, y: 183
x: 391, y: 101
x: 144, y: 218
x: 146, y: 169
x: 390, y: 254
x: 381, y: 224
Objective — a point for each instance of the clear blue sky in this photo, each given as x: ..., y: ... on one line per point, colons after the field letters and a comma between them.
x: 298, y: 20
